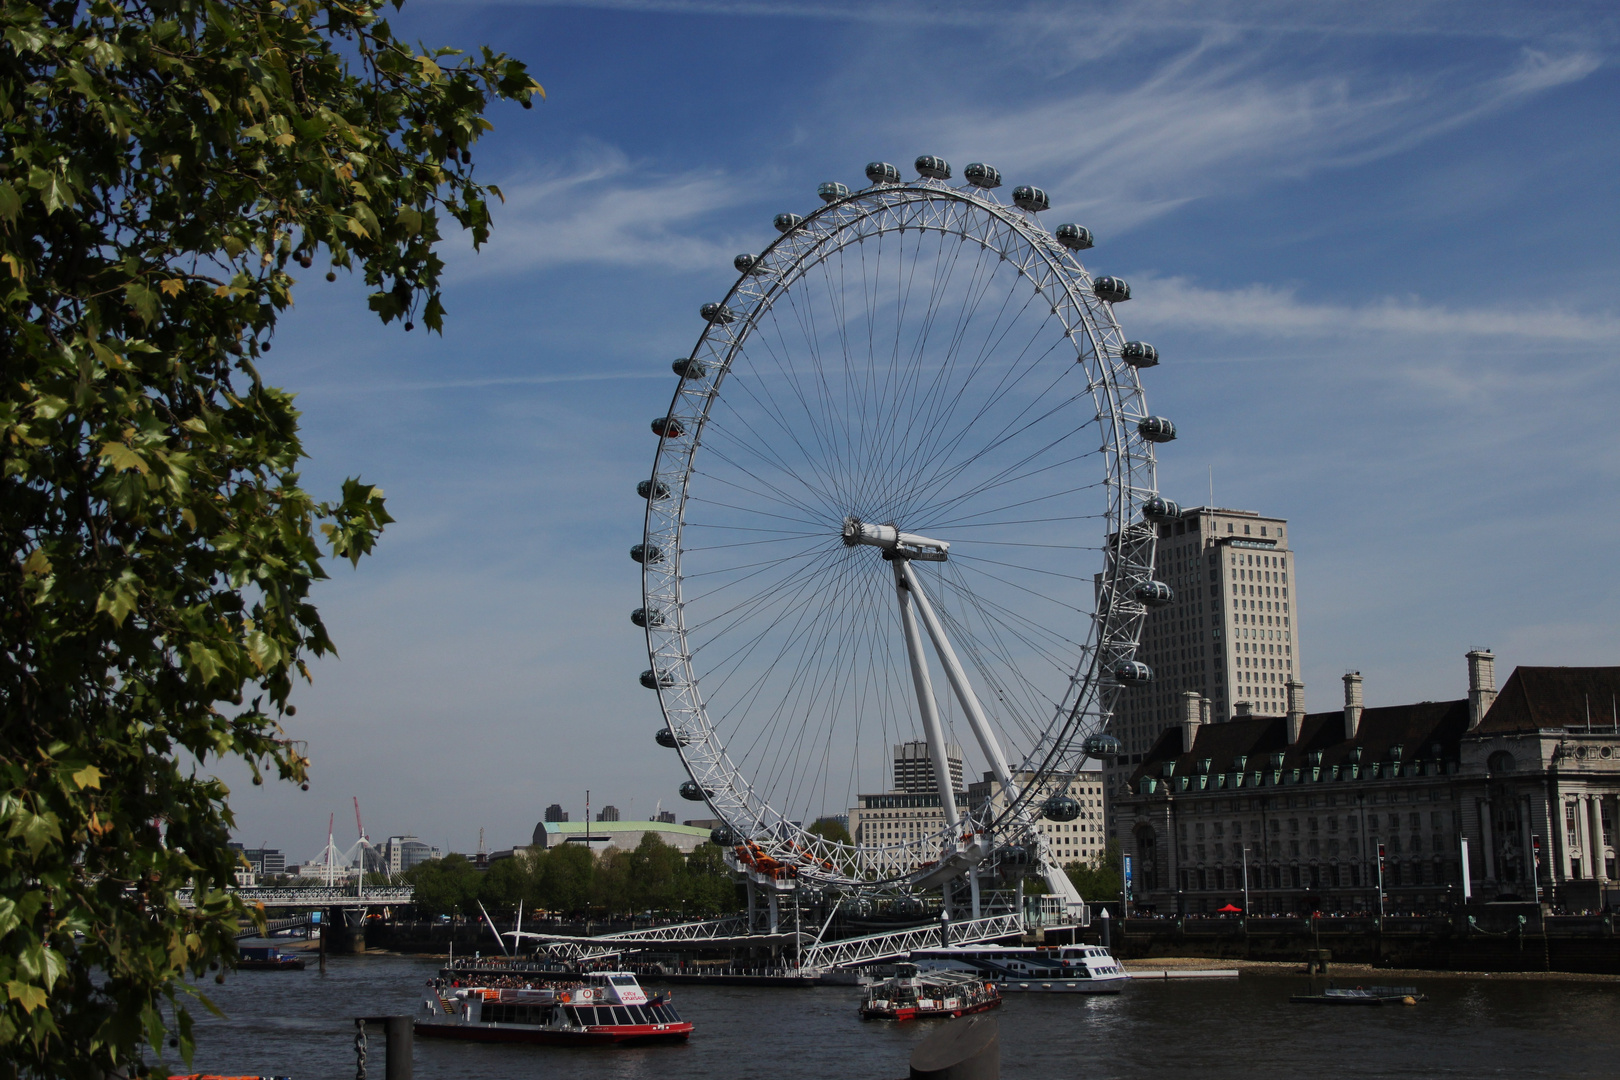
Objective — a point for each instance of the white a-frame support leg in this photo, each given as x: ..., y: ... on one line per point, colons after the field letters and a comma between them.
x: 1056, y: 878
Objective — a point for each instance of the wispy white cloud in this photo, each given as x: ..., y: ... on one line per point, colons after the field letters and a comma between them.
x: 1275, y: 312
x: 607, y: 210
x: 1214, y: 119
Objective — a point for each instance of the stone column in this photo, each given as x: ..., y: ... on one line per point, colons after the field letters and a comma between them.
x: 1594, y: 829
x: 1530, y: 872
x: 1488, y: 841
x: 1564, y: 837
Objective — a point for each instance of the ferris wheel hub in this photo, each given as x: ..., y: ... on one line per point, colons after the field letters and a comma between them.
x: 890, y: 538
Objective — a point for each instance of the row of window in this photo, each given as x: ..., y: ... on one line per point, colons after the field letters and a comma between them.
x: 1317, y: 876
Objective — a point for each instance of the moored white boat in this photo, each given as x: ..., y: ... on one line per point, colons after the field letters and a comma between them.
x: 1074, y: 969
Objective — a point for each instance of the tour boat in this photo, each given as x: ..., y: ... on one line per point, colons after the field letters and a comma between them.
x: 594, y: 1009
x: 911, y: 995
x: 1076, y: 969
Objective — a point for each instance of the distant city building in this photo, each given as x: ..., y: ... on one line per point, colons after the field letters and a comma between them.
x: 703, y: 823
x: 1307, y: 804
x: 624, y: 835
x: 555, y: 812
x: 1229, y: 636
x: 1081, y: 840
x: 400, y: 853
x: 914, y: 769
x: 666, y: 816
x: 608, y: 813
x: 267, y: 862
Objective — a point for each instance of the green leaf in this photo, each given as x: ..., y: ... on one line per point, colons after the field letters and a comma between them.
x: 10, y: 203
x: 30, y: 997
x: 88, y: 777
x: 119, y: 598
x: 143, y: 300
x: 124, y: 458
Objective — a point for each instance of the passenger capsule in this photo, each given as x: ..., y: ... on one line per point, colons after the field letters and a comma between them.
x: 935, y: 168
x: 693, y: 793
x: 717, y: 313
x: 981, y: 175
x: 652, y: 489
x: 720, y: 836
x: 1102, y: 745
x: 647, y: 617
x: 668, y: 427
x: 832, y: 191
x: 747, y: 264
x: 1161, y: 509
x: 1133, y: 673
x: 1060, y: 808
x: 669, y: 739
x: 1157, y: 429
x: 1032, y: 199
x: 1074, y: 237
x: 1154, y: 593
x: 652, y: 680
x: 688, y: 368
x: 1112, y: 289
x: 647, y: 554
x: 787, y: 222
x: 881, y: 172
x: 1139, y: 354
x: 1014, y: 855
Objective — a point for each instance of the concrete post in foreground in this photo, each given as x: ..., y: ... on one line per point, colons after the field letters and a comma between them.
x: 965, y: 1049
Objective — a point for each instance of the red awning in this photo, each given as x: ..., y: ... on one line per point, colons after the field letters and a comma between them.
x: 1229, y: 909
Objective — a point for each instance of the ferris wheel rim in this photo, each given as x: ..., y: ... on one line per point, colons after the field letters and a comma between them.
x: 735, y: 801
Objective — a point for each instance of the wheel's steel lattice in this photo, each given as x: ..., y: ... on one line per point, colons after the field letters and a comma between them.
x: 910, y: 360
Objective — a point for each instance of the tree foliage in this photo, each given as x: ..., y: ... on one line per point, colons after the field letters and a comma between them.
x: 569, y: 880
x: 1100, y: 879
x: 167, y: 167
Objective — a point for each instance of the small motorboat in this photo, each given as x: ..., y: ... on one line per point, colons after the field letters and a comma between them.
x: 267, y: 958
x: 1362, y: 995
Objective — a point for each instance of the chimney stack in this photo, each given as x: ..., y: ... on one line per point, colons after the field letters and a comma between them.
x: 1242, y: 710
x: 1352, y: 703
x: 1481, y: 685
x: 1193, y: 710
x: 1296, y: 710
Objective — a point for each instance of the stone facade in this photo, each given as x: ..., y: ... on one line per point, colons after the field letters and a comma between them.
x: 1305, y: 805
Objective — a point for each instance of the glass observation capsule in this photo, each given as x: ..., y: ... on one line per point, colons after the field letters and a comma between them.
x: 1139, y: 354
x: 688, y: 368
x: 1102, y: 745
x: 652, y: 489
x: 647, y: 554
x: 1060, y: 808
x: 722, y: 837
x: 881, y: 172
x: 981, y: 175
x: 1112, y: 289
x: 1015, y: 855
x: 1133, y: 673
x: 716, y: 313
x: 1154, y: 593
x: 652, y: 680
x: 935, y: 168
x: 691, y: 792
x: 645, y: 617
x: 1161, y: 509
x: 1074, y: 237
x: 832, y: 191
x: 1032, y: 199
x: 787, y: 222
x: 669, y: 739
x: 747, y: 264
x: 667, y: 427
x: 1156, y: 429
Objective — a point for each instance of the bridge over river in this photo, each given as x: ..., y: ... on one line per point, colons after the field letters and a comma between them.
x: 294, y: 897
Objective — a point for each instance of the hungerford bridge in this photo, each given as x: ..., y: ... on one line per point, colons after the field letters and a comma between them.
x: 812, y: 953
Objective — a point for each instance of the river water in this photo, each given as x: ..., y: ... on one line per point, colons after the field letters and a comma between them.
x: 300, y: 1024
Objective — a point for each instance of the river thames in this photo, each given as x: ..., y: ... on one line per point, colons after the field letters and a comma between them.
x: 300, y: 1024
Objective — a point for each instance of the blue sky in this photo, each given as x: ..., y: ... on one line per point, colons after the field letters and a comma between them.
x: 1374, y: 243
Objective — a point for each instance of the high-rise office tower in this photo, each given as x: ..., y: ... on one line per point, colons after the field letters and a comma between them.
x: 1229, y: 640
x: 914, y: 769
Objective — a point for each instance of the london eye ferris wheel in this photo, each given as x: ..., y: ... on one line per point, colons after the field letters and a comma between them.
x: 904, y: 491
